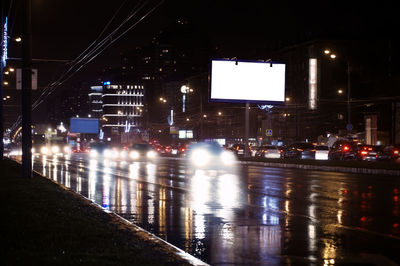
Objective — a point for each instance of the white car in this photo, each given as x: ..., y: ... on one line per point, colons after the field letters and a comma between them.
x: 321, y: 152
x: 268, y: 151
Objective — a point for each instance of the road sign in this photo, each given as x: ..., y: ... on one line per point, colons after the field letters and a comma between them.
x: 349, y: 127
x: 268, y: 132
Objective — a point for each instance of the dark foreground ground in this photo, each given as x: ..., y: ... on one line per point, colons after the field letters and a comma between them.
x: 43, y: 223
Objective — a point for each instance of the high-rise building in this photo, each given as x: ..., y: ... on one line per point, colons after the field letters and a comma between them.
x: 120, y: 108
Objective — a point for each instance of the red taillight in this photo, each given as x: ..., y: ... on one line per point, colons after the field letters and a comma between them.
x: 364, y: 152
x: 182, y: 150
x: 396, y: 152
x: 346, y: 148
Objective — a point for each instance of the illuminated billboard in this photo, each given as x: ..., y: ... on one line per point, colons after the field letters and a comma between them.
x: 84, y: 125
x: 312, y: 84
x: 242, y: 81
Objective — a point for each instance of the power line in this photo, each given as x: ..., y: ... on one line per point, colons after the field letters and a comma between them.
x: 78, y: 64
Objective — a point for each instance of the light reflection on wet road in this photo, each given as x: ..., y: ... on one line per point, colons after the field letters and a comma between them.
x: 249, y: 215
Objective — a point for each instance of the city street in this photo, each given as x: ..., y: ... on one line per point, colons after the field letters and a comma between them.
x: 246, y: 214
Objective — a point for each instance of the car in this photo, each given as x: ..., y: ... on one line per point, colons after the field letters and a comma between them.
x: 300, y: 150
x: 321, y: 152
x: 368, y: 152
x: 100, y: 150
x: 209, y: 154
x: 343, y: 150
x: 13, y: 149
x: 268, y: 151
x: 390, y: 153
x: 50, y: 147
x: 142, y: 151
x: 238, y: 149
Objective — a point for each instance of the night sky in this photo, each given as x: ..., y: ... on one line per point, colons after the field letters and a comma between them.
x: 243, y: 29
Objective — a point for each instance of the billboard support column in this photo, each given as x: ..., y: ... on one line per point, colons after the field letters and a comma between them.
x: 246, y: 131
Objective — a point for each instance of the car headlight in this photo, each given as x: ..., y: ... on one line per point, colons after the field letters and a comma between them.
x: 200, y: 157
x: 114, y: 154
x: 227, y: 158
x: 151, y: 154
x: 134, y: 155
x: 33, y: 150
x: 93, y: 153
x: 44, y: 150
x: 67, y: 149
x: 107, y: 153
x: 123, y: 154
x: 55, y: 149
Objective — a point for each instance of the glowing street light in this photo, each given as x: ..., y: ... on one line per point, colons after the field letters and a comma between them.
x: 18, y: 39
x: 340, y: 91
x: 349, y: 126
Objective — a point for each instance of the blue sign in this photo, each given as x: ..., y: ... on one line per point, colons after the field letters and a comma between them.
x: 349, y: 127
x: 84, y: 125
x: 268, y: 132
x: 5, y: 42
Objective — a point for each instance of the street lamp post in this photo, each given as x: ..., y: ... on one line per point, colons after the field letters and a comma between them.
x: 349, y: 126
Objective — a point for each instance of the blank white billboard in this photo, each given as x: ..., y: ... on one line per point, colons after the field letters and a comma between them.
x: 247, y: 81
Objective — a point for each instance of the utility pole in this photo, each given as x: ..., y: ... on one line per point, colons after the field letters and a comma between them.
x: 246, y: 130
x: 26, y: 91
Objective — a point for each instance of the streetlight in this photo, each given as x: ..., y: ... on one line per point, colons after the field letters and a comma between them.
x: 340, y: 91
x: 184, y: 89
x: 349, y: 126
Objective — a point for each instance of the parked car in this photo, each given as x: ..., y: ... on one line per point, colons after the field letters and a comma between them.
x: 299, y: 151
x: 343, y: 150
x: 391, y: 153
x: 268, y: 151
x: 321, y: 152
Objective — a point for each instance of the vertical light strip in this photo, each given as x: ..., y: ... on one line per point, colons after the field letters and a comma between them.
x: 312, y: 84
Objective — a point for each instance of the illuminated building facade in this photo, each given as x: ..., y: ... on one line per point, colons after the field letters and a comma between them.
x: 120, y: 108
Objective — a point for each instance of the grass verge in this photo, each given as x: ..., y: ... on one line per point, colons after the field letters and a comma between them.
x: 45, y: 224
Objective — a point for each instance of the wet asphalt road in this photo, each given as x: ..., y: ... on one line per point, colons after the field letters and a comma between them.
x: 246, y: 215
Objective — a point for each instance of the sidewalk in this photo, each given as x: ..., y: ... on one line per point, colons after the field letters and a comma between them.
x: 44, y: 223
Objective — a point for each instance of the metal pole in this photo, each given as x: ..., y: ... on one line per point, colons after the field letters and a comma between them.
x: 201, y: 116
x: 246, y: 131
x: 26, y: 92
x: 1, y: 110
